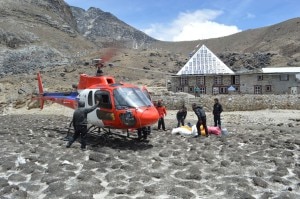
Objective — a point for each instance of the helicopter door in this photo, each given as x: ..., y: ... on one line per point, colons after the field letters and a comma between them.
x: 92, y: 116
x: 105, y: 112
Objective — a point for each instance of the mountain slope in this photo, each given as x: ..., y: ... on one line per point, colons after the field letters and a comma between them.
x: 106, y: 30
x: 37, y: 34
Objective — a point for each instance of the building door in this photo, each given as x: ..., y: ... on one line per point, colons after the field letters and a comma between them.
x: 215, y: 90
x: 293, y: 90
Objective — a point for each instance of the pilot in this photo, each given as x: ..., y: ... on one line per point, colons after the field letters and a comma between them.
x: 80, y: 123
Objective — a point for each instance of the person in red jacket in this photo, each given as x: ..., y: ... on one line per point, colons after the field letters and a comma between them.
x: 162, y: 112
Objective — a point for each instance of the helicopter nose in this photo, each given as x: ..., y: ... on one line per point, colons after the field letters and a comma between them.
x: 149, y: 116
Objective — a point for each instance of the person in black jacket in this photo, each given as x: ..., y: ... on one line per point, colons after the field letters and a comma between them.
x: 180, y: 116
x: 80, y: 123
x: 200, y: 113
x: 217, y: 110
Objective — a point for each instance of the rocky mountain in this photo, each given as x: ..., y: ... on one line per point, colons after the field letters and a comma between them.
x: 37, y: 34
x: 61, y: 40
x: 105, y: 29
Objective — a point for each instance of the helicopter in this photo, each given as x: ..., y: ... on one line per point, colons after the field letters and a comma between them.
x: 121, y: 105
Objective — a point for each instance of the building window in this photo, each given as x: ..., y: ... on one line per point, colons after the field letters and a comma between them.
x: 223, y: 90
x: 268, y: 88
x: 202, y: 90
x: 179, y: 89
x: 184, y: 80
x: 284, y: 77
x: 260, y: 77
x: 235, y: 79
x: 257, y: 89
x: 191, y: 89
x: 218, y: 80
x: 200, y: 80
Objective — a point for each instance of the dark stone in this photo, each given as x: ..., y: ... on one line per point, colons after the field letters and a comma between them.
x: 267, y: 195
x: 97, y: 157
x: 225, y: 163
x: 88, y: 188
x: 19, y: 194
x: 85, y: 175
x: 180, y: 192
x: 17, y: 178
x: 259, y: 182
x: 156, y: 175
x: 152, y: 189
x: 243, y: 195
x: 165, y: 153
x: 117, y: 191
x: 79, y: 196
x: 3, y: 182
x: 279, y: 180
x: 9, y: 189
x: 30, y: 187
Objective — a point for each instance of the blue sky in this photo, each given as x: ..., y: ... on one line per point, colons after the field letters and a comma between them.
x: 184, y: 20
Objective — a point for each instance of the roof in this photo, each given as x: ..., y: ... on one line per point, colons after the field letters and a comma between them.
x: 281, y: 70
x: 204, y: 62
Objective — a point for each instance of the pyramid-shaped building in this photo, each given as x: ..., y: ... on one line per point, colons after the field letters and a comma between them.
x: 204, y: 62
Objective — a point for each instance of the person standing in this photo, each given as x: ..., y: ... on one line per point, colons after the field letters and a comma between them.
x: 217, y: 110
x: 162, y: 112
x: 200, y: 113
x: 180, y: 116
x: 80, y: 123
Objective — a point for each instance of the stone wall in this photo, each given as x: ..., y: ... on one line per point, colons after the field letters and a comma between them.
x: 245, y: 102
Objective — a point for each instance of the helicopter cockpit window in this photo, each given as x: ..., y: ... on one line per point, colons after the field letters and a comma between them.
x: 104, y: 98
x: 130, y: 98
x: 147, y: 94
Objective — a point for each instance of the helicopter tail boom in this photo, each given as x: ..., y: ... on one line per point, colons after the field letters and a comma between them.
x: 64, y: 98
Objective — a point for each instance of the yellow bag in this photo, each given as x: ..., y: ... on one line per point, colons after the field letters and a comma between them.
x: 202, y: 130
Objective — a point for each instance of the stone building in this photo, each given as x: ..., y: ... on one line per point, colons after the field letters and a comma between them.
x: 205, y: 73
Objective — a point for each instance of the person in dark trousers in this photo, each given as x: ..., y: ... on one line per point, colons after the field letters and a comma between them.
x: 80, y: 123
x: 143, y: 133
x: 217, y: 110
x: 180, y: 116
x: 200, y: 113
x: 162, y: 112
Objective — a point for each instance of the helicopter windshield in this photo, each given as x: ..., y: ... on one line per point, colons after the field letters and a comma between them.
x: 130, y: 98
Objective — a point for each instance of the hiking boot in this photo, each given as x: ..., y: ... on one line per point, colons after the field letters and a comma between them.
x: 69, y: 144
x: 83, y: 146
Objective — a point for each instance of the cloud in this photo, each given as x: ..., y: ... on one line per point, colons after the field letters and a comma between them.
x: 189, y: 26
x: 250, y: 16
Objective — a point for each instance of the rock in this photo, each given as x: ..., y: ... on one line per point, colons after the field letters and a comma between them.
x: 259, y: 182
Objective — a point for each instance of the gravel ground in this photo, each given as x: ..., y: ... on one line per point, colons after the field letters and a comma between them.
x: 258, y: 159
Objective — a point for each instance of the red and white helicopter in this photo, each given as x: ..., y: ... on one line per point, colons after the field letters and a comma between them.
x: 122, y: 105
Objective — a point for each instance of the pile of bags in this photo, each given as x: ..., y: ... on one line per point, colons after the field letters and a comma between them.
x: 188, y: 131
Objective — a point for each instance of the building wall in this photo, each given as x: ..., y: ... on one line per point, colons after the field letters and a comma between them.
x: 177, y: 85
x: 248, y: 84
x: 270, y: 83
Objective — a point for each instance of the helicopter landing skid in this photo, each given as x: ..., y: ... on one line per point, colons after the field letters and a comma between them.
x: 101, y: 132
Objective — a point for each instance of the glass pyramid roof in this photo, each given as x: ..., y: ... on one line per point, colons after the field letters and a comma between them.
x: 204, y: 62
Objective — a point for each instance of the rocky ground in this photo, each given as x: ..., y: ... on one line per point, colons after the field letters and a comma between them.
x: 258, y: 159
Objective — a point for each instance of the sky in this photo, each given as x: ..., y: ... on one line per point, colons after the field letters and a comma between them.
x: 186, y: 20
